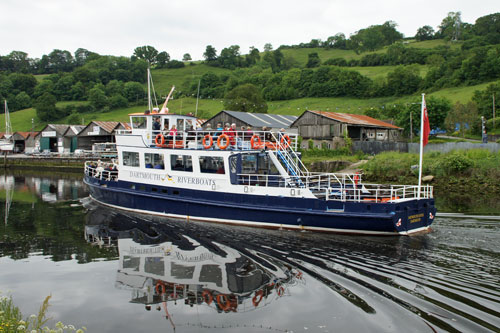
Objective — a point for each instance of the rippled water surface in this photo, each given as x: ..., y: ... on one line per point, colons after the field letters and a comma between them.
x: 116, y: 272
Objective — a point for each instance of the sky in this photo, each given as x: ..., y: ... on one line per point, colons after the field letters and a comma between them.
x: 117, y: 27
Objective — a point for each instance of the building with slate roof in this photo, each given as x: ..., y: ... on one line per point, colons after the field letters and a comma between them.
x: 24, y: 141
x: 255, y: 120
x: 51, y: 138
x: 329, y: 128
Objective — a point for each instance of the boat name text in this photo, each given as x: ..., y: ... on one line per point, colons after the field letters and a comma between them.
x: 415, y: 218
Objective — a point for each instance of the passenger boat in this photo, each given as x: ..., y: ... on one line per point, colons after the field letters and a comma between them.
x: 254, y: 179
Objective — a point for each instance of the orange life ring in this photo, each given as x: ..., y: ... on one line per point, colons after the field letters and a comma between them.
x: 210, y: 140
x: 160, y: 285
x: 160, y: 140
x: 207, y: 296
x: 255, y: 144
x: 280, y: 291
x: 288, y: 141
x: 259, y: 295
x: 219, y: 139
x: 223, y: 302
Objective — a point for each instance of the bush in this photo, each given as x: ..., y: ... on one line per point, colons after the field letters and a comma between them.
x: 456, y: 163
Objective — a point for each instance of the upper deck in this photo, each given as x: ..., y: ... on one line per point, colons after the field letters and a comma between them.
x: 164, y: 130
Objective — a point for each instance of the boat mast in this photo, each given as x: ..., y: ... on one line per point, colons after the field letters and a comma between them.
x: 8, y: 128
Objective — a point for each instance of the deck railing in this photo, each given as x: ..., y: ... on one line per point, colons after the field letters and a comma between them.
x: 101, y: 170
x: 342, y: 186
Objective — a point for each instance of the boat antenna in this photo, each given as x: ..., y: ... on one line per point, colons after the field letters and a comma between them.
x: 164, y: 107
x: 151, y: 88
x: 197, y: 98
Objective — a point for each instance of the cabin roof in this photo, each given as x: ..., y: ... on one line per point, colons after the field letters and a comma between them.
x: 160, y: 114
x: 353, y: 119
x: 261, y: 119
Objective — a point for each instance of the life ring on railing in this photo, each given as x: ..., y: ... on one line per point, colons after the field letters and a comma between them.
x: 280, y: 291
x: 207, y: 296
x: 160, y: 140
x: 219, y: 140
x: 259, y: 295
x: 223, y: 302
x: 285, y: 138
x: 210, y: 141
x: 255, y: 142
x: 160, y: 285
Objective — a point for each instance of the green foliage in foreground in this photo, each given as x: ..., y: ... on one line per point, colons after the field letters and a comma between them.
x: 11, y: 319
x: 393, y: 166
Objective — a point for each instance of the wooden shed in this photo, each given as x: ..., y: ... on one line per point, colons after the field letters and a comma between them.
x: 329, y: 127
x: 99, y: 132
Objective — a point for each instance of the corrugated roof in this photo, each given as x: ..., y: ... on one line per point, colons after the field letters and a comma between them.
x: 107, y: 126
x: 126, y: 126
x: 263, y: 119
x: 355, y: 119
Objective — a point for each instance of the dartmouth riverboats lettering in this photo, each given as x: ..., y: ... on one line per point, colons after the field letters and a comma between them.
x: 416, y: 217
x: 145, y: 175
x: 195, y: 181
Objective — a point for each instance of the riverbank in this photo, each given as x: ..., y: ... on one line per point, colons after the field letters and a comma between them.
x: 59, y: 163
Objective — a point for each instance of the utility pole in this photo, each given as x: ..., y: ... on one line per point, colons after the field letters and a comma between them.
x: 411, y: 128
x: 493, y: 111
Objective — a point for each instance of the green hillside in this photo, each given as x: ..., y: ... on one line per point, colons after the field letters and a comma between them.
x: 21, y: 120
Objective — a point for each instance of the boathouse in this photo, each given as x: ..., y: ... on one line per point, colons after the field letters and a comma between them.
x: 99, y: 132
x: 24, y: 141
x: 329, y: 127
x: 255, y: 120
x: 51, y: 138
x: 70, y: 137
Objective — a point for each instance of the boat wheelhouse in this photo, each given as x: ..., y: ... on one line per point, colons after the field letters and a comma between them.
x: 254, y: 178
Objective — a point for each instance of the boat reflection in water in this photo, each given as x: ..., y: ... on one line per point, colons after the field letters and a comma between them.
x: 162, y: 264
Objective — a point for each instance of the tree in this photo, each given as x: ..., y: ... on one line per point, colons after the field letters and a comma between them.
x: 268, y: 47
x: 118, y: 101
x: 186, y: 57
x: 22, y: 82
x: 210, y: 53
x: 375, y: 37
x: 484, y: 100
x: 133, y: 91
x: 253, y: 56
x: 424, y: 33
x: 147, y: 53
x: 22, y: 101
x: 83, y: 55
x: 98, y: 98
x: 162, y: 59
x: 337, y: 42
x: 230, y: 57
x: 462, y: 116
x: 60, y: 61
x: 43, y: 87
x: 246, y: 98
x: 313, y: 60
x: 450, y: 27
x: 403, y: 80
x: 45, y: 106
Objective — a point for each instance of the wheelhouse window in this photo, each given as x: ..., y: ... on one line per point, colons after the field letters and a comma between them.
x: 130, y: 158
x: 258, y: 164
x: 212, y: 164
x: 139, y: 122
x: 181, y: 163
x: 154, y: 161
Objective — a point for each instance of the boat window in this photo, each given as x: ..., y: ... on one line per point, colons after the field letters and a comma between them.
x: 165, y: 124
x: 211, y: 273
x: 130, y: 158
x: 212, y: 164
x: 138, y: 122
x: 154, y: 161
x: 181, y: 271
x: 132, y: 263
x: 249, y: 163
x: 180, y: 124
x: 154, y: 265
x: 266, y: 165
x: 181, y: 163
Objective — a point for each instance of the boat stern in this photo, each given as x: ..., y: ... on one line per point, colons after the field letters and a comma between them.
x: 414, y: 217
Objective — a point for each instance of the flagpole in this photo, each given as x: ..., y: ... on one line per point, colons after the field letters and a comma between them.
x: 421, y: 146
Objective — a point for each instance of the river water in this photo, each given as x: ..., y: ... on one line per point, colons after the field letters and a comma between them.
x: 112, y: 271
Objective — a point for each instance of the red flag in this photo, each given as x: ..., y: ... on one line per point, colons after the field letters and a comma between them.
x: 427, y: 127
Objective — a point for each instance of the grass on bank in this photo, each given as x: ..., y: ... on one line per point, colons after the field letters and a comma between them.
x: 11, y: 319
